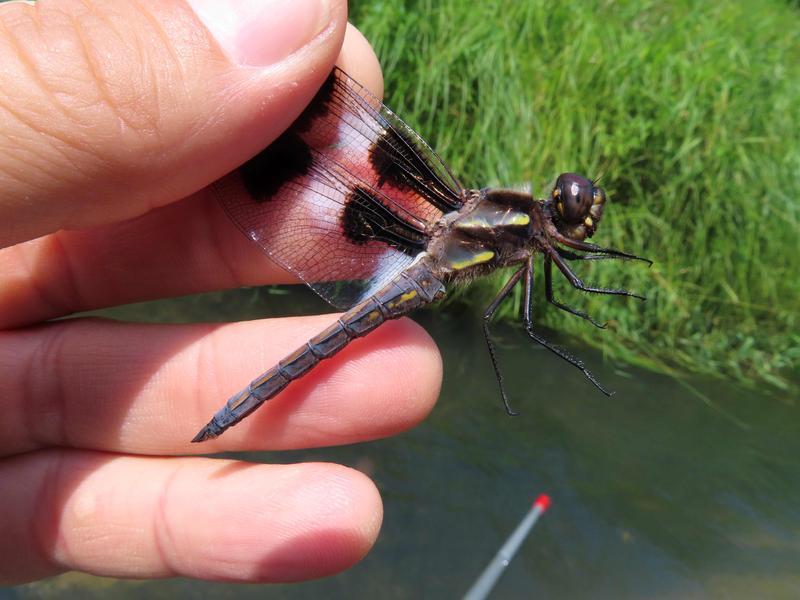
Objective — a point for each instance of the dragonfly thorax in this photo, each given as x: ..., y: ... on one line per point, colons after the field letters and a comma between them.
x: 492, y: 230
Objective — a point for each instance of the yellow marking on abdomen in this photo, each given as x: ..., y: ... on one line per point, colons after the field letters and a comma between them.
x: 407, y: 297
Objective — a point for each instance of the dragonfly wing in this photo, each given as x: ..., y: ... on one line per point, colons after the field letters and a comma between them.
x: 344, y: 198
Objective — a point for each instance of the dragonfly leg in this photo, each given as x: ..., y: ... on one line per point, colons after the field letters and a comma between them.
x: 589, y: 247
x: 548, y: 284
x: 575, y: 256
x: 487, y: 317
x: 527, y: 322
x: 577, y: 283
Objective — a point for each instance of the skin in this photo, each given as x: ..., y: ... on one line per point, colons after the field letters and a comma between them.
x: 111, y: 120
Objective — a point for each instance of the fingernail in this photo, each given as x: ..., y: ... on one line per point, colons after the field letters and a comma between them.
x: 262, y: 32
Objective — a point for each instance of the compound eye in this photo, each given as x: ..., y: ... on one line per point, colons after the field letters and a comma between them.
x: 598, y: 196
x: 573, y: 196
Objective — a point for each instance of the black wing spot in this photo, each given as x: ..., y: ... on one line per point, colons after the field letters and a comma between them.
x: 366, y: 218
x: 286, y: 158
x: 382, y: 157
x: 397, y: 160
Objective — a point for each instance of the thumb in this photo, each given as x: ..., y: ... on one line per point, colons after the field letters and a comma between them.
x: 108, y: 109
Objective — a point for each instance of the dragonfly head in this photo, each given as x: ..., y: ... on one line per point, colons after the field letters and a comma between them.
x: 577, y: 206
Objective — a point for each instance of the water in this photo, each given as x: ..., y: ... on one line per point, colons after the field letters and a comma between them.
x: 661, y: 491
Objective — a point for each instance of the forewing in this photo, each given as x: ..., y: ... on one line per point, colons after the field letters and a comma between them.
x: 344, y: 198
x: 353, y: 127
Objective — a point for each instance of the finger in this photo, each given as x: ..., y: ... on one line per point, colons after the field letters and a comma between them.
x: 191, y: 517
x: 357, y: 58
x: 108, y: 109
x: 148, y: 389
x: 185, y: 247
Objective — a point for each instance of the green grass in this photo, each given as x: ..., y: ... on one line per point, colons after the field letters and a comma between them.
x: 690, y: 110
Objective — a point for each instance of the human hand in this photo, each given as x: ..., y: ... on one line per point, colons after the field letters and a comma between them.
x: 112, y: 121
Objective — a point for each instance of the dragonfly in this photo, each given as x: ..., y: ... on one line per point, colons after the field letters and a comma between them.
x: 355, y: 203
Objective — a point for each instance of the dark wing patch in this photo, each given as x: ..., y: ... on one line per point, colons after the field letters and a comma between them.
x: 346, y: 197
x: 366, y: 218
x: 286, y: 158
x: 405, y: 174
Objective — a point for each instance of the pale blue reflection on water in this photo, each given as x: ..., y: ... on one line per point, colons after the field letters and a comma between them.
x: 656, y: 492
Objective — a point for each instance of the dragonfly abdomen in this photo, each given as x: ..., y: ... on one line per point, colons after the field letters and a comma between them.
x: 396, y: 299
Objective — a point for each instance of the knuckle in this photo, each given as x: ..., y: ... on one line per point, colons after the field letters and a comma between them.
x: 42, y: 388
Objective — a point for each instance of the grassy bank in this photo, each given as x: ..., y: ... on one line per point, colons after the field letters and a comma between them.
x: 690, y: 110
